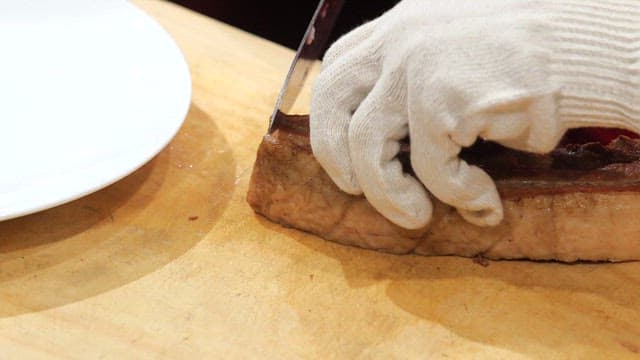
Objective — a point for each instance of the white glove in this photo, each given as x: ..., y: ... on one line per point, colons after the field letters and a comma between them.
x: 446, y: 72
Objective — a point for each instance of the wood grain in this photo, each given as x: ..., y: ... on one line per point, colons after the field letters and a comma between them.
x: 172, y: 263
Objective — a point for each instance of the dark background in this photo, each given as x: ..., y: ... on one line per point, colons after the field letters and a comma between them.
x: 284, y: 21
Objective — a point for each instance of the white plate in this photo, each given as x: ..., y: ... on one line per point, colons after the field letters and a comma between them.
x: 90, y: 90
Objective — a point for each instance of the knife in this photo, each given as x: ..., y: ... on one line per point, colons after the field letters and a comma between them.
x: 309, y: 50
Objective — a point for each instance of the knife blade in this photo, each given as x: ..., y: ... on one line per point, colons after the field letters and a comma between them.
x: 309, y: 50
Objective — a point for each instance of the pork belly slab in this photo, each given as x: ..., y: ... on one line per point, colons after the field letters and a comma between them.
x: 580, y: 202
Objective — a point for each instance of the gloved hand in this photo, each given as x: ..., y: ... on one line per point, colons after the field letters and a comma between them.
x: 446, y: 72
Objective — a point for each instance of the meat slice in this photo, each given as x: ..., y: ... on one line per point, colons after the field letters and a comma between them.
x: 581, y: 202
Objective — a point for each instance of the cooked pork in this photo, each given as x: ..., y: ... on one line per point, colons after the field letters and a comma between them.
x: 581, y: 202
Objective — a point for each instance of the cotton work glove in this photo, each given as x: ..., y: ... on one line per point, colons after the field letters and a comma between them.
x: 446, y: 72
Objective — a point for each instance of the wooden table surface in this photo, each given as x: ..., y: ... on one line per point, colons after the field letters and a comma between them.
x: 172, y: 263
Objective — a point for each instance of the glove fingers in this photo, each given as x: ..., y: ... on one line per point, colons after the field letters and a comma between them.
x: 337, y: 93
x: 348, y: 42
x: 374, y: 134
x: 434, y: 157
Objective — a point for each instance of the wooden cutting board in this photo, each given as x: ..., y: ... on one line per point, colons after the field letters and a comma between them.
x: 172, y: 263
